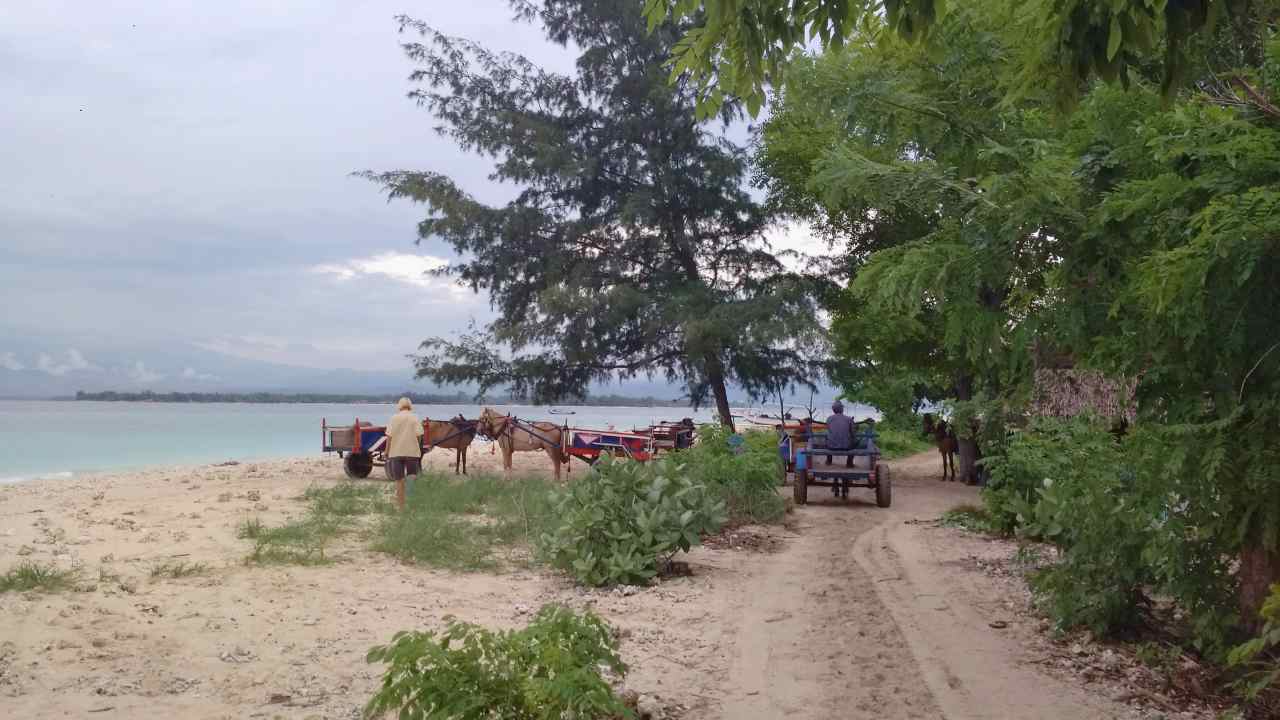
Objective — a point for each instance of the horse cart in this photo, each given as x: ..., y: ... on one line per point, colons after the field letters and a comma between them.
x: 590, y: 445
x: 861, y: 468
x: 363, y: 445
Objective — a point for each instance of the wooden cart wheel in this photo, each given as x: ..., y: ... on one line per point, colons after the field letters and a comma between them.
x: 884, y: 486
x: 358, y: 465
x: 801, y: 487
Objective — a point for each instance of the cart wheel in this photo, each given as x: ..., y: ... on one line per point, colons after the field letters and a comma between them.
x: 801, y: 488
x: 884, y: 486
x: 358, y: 465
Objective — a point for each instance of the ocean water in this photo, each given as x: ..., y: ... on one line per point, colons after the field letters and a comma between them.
x: 62, y: 438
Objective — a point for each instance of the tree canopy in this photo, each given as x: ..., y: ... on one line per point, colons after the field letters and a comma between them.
x: 988, y: 235
x: 740, y: 46
x: 631, y: 246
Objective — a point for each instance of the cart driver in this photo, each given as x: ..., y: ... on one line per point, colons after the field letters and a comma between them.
x: 404, y: 448
x: 839, y: 432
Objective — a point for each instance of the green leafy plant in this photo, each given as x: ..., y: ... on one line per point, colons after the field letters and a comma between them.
x: 625, y: 520
x: 550, y: 669
x: 1258, y: 656
x: 746, y: 480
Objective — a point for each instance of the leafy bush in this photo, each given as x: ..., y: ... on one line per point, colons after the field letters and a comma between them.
x: 623, y: 519
x: 1129, y: 517
x: 1258, y: 657
x: 1067, y: 483
x: 747, y: 481
x: 550, y: 669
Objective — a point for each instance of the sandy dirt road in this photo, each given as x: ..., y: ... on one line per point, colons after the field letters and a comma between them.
x: 851, y: 611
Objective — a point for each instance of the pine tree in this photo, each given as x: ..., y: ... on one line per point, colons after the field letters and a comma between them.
x: 633, y: 246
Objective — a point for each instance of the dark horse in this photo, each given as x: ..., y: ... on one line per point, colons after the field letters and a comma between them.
x: 944, y: 436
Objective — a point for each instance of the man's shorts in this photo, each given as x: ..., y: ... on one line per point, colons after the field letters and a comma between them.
x: 401, y: 466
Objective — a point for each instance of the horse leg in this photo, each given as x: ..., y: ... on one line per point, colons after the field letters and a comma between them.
x: 464, y: 459
x: 942, y: 451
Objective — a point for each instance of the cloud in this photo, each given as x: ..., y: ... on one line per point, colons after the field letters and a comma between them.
x: 75, y: 361
x: 141, y: 375
x: 190, y: 373
x: 9, y: 362
x: 400, y: 267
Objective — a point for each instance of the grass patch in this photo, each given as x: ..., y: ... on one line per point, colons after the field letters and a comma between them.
x: 457, y: 525
x: 301, y: 542
x: 29, y: 576
x: 973, y: 518
x: 331, y: 511
x: 178, y: 569
x: 896, y: 443
x: 347, y: 500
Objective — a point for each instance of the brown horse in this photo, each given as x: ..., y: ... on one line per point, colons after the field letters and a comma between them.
x: 944, y: 436
x: 520, y: 436
x: 456, y: 434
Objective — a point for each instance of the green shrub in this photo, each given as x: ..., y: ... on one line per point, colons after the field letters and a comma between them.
x: 550, y: 669
x: 1258, y: 657
x: 624, y: 519
x: 1067, y: 483
x: 747, y: 481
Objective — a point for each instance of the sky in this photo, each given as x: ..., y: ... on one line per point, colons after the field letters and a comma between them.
x: 177, y: 176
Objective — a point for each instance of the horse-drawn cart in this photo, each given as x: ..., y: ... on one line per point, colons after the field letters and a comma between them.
x: 362, y: 445
x: 861, y: 468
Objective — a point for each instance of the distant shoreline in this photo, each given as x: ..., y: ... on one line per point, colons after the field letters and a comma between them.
x: 343, y: 399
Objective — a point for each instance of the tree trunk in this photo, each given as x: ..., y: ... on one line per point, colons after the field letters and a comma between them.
x: 968, y: 470
x: 1259, y: 569
x: 715, y: 376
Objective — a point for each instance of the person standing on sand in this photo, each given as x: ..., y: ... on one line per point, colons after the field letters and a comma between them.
x: 404, y: 448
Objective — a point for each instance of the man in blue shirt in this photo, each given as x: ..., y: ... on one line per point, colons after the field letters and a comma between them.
x: 839, y: 432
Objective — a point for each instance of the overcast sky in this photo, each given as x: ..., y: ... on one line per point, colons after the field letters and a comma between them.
x: 177, y: 175
x: 178, y: 172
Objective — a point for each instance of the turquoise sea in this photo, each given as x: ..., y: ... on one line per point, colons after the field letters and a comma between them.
x: 63, y: 438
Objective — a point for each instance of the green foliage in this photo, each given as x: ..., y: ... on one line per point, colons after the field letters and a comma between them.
x: 897, y: 443
x: 549, y: 669
x: 1258, y: 656
x: 969, y: 517
x: 625, y: 520
x: 747, y: 481
x: 458, y: 525
x: 35, y: 577
x: 740, y: 46
x: 1128, y: 517
x: 632, y: 246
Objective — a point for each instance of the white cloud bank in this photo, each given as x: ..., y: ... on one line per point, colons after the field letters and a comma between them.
x: 9, y: 361
x: 141, y: 375
x: 191, y: 373
x: 75, y: 361
x: 400, y: 267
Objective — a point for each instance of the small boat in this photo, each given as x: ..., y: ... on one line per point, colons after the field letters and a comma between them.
x: 554, y: 411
